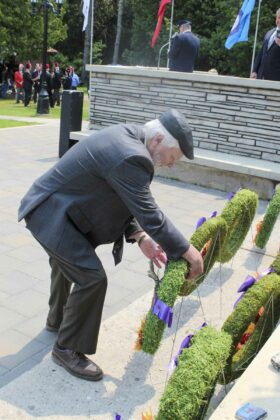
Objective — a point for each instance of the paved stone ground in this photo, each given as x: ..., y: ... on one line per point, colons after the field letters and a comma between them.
x: 134, y: 382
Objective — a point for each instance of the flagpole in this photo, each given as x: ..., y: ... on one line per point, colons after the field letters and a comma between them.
x: 256, y: 36
x: 170, y: 31
x: 91, y: 47
x: 91, y: 31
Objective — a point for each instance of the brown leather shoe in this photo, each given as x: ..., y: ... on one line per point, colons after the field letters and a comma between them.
x: 77, y: 364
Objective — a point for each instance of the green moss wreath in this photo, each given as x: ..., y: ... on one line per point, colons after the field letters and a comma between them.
x: 215, y: 230
x: 264, y: 293
x: 276, y: 264
x: 239, y: 213
x: 174, y: 283
x: 265, y: 227
x: 150, y: 334
x: 189, y: 388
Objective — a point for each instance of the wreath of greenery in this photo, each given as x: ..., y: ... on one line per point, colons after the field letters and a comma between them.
x: 239, y: 213
x: 174, y: 283
x: 276, y: 264
x: 151, y: 331
x: 263, y: 294
x: 265, y: 226
x: 191, y: 385
x: 213, y: 230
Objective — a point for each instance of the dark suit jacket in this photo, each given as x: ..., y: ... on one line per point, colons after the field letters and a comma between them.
x: 183, y: 52
x: 267, y: 62
x: 27, y: 81
x: 92, y: 194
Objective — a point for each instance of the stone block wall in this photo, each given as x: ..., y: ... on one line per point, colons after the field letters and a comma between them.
x: 227, y: 114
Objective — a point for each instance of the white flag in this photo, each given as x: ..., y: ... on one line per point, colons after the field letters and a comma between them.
x: 86, y: 12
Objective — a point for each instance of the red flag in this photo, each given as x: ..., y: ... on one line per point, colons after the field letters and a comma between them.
x: 161, y: 11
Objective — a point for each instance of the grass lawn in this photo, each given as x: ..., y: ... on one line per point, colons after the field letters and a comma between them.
x: 12, y: 123
x: 10, y: 108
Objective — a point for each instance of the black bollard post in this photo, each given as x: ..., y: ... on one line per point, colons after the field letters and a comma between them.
x: 70, y: 118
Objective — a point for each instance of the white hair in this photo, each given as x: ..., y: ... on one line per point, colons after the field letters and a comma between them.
x: 155, y: 127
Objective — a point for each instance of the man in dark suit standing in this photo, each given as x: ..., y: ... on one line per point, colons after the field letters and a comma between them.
x: 267, y: 62
x: 184, y: 48
x: 27, y: 84
x: 99, y: 193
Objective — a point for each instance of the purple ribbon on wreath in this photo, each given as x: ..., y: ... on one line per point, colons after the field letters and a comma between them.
x: 163, y: 311
x: 232, y: 194
x: 186, y: 343
x: 249, y: 281
x: 118, y: 417
x: 203, y: 219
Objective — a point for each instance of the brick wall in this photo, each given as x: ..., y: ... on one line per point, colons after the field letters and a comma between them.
x: 231, y: 115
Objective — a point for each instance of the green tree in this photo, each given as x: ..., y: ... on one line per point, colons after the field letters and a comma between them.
x: 211, y: 21
x: 22, y: 33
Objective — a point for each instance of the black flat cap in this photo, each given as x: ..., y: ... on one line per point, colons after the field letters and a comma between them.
x: 176, y: 124
x: 183, y: 22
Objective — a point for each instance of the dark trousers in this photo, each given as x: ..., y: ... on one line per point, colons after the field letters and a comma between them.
x: 27, y: 96
x: 79, y: 311
x: 50, y: 93
x: 56, y: 97
x: 36, y: 93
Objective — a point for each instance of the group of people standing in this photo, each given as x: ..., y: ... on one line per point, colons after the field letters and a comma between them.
x: 28, y: 82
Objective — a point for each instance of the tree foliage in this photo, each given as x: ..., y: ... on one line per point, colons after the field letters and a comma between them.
x: 22, y: 33
x: 211, y: 21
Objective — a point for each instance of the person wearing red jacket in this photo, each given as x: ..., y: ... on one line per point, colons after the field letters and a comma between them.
x: 19, y: 83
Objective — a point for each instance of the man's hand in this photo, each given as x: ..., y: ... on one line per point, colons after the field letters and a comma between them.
x: 195, y: 259
x: 253, y: 75
x: 151, y: 249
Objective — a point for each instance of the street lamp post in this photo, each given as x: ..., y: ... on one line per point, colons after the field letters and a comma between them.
x: 43, y: 106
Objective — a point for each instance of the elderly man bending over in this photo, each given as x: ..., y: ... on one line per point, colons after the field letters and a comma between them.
x: 99, y: 193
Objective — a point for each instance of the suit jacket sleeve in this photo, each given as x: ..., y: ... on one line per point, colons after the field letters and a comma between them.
x: 175, y: 47
x: 258, y: 60
x: 131, y: 180
x: 132, y: 228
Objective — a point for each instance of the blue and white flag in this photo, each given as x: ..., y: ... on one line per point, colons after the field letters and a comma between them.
x: 240, y: 29
x: 86, y: 6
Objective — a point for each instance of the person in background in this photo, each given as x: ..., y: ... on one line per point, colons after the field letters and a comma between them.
x: 36, y: 74
x: 98, y: 193
x: 75, y: 79
x: 267, y: 62
x: 49, y: 82
x: 19, y: 84
x: 67, y: 80
x: 27, y: 84
x: 56, y: 84
x: 184, y: 48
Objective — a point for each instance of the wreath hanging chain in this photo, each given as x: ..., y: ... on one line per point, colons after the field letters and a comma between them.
x: 209, y: 264
x: 174, y: 340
